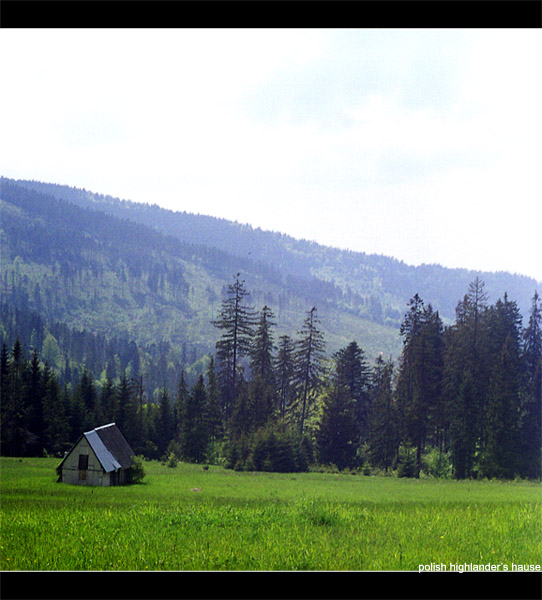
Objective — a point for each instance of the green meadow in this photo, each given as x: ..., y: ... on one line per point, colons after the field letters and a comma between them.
x: 189, y: 518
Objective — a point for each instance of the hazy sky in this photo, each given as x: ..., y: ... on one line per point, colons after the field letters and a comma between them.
x: 420, y: 144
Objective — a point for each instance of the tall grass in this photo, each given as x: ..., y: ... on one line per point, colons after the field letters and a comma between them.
x: 191, y: 519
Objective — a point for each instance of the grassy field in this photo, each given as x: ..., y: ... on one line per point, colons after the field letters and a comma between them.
x: 188, y: 518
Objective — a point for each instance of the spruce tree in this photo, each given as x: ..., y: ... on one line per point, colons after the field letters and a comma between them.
x: 353, y: 372
x: 56, y: 434
x: 500, y: 453
x: 180, y: 401
x: 472, y: 316
x: 165, y: 426
x: 4, y: 394
x: 239, y: 440
x: 4, y: 371
x: 337, y: 435
x: 194, y: 424
x: 127, y: 419
x: 466, y: 379
x: 108, y: 402
x: 501, y: 419
x: 215, y: 416
x: 237, y: 323
x: 33, y: 393
x: 284, y: 369
x: 383, y: 439
x: 261, y: 353
x: 410, y: 328
x: 433, y: 382
x: 241, y: 422
x: 420, y: 374
x: 261, y: 399
x: 12, y: 406
x: 308, y: 360
x: 531, y: 413
x: 463, y: 426
x: 262, y: 385
x: 88, y: 395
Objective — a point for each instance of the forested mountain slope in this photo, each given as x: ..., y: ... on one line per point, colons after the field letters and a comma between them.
x: 116, y: 277
x: 156, y: 277
x: 372, y: 286
x: 104, y: 318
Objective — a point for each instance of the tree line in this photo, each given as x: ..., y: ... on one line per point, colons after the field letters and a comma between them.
x: 462, y: 400
x: 68, y: 351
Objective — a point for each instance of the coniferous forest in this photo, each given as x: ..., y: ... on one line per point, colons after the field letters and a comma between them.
x: 310, y: 357
x: 462, y: 400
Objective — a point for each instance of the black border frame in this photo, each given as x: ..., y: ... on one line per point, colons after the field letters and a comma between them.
x: 271, y: 13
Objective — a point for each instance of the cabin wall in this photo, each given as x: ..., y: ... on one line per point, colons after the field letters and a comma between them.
x: 92, y: 475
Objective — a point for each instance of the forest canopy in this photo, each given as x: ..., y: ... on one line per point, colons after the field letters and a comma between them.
x: 462, y: 400
x: 115, y: 311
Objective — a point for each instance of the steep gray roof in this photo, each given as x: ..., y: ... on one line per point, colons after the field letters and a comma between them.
x: 110, y: 447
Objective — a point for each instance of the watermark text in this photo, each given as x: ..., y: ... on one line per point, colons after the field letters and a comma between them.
x: 475, y: 567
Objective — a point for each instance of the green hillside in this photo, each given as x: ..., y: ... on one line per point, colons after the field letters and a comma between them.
x: 373, y: 286
x: 140, y: 272
x: 117, y: 277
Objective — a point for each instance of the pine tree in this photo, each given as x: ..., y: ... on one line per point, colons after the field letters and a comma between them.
x: 56, y: 428
x: 261, y: 401
x: 420, y: 374
x: 261, y: 364
x: 180, y: 401
x: 165, y: 426
x: 337, y: 434
x: 194, y: 424
x: 500, y: 454
x: 33, y: 393
x: 353, y: 372
x: 215, y: 416
x: 4, y: 363
x: 127, y: 419
x: 108, y: 402
x: 410, y: 328
x: 12, y: 405
x: 383, y: 439
x: 284, y: 369
x: 471, y: 310
x: 241, y: 424
x: 466, y: 379
x: 501, y: 419
x: 5, y: 392
x: 140, y: 425
x: 472, y: 315
x: 237, y: 323
x: 308, y: 360
x: 531, y: 421
x: 262, y: 385
x: 87, y: 392
x: 433, y: 382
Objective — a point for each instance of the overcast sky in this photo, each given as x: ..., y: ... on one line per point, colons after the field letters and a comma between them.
x: 420, y: 144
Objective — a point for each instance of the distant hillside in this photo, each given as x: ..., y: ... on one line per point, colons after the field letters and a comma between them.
x: 116, y: 277
x: 151, y: 275
x: 374, y: 286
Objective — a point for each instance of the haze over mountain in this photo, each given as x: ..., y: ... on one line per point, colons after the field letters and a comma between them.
x: 151, y: 275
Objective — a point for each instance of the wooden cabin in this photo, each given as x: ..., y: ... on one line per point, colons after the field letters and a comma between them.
x: 99, y: 457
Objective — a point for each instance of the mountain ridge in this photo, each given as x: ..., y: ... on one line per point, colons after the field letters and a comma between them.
x: 297, y: 256
x: 90, y: 269
x: 156, y: 274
